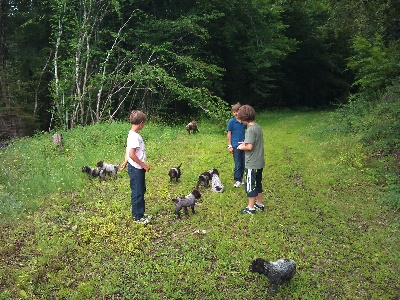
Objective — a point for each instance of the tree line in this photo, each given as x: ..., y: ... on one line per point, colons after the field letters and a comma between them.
x: 65, y: 63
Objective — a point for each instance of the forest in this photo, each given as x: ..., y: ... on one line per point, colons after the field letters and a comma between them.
x: 65, y: 63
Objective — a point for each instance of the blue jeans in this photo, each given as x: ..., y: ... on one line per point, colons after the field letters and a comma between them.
x: 138, y: 188
x: 238, y: 158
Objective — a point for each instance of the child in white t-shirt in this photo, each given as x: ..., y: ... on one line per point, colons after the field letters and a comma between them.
x: 135, y: 158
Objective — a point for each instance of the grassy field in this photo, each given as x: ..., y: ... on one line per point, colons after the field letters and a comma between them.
x: 64, y: 236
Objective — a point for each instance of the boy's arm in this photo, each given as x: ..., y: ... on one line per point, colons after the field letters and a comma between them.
x: 132, y: 154
x: 245, y: 146
x: 229, y: 137
x: 123, y: 165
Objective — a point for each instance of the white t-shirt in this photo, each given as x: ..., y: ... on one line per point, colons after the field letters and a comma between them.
x: 135, y: 140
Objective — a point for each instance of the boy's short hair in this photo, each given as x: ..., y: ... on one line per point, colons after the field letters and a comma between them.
x: 236, y: 107
x: 136, y: 117
x: 246, y: 113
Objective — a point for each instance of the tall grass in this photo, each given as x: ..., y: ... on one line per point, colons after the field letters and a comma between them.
x: 76, y: 239
x: 34, y: 166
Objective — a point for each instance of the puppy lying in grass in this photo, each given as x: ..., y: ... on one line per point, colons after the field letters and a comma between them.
x: 175, y: 172
x: 185, y: 202
x: 277, y: 272
x: 216, y: 184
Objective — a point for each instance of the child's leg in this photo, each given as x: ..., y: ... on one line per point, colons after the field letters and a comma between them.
x: 242, y: 164
x: 252, y: 200
x: 259, y: 186
x: 239, y: 165
x: 259, y: 198
x: 137, y: 184
x: 251, y: 185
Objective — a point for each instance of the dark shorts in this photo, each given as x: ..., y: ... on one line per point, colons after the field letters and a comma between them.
x: 253, y: 184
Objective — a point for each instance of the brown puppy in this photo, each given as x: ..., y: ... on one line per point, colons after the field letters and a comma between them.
x: 192, y: 126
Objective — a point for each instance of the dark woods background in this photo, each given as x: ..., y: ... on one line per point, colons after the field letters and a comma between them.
x: 65, y: 63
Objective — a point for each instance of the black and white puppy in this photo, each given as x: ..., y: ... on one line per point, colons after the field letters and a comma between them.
x: 108, y: 169
x: 185, y: 202
x: 175, y: 172
x: 277, y: 272
x: 206, y: 177
x: 216, y: 184
x: 95, y: 172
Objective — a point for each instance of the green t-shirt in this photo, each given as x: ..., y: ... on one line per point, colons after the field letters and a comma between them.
x: 254, y: 159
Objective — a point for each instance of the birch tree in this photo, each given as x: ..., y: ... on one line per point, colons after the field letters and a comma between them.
x: 106, y: 61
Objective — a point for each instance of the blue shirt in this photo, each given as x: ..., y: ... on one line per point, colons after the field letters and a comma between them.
x: 237, y: 130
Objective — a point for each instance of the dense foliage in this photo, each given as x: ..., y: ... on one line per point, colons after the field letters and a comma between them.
x: 65, y: 62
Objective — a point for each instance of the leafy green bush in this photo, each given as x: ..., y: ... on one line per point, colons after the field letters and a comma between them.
x: 375, y: 64
x: 376, y: 126
x: 372, y: 115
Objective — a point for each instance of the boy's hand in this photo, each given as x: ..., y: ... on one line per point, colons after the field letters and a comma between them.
x: 123, y: 165
x: 244, y: 146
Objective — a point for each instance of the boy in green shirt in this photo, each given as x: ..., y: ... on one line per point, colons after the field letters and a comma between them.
x: 253, y: 146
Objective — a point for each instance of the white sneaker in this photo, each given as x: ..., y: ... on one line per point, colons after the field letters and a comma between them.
x: 142, y: 221
x: 237, y: 184
x: 259, y: 206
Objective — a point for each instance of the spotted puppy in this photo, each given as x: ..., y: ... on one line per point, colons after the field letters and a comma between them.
x: 192, y: 126
x: 175, y: 172
x: 216, y: 184
x: 206, y: 177
x: 108, y: 169
x: 277, y: 272
x: 95, y: 172
x: 185, y: 202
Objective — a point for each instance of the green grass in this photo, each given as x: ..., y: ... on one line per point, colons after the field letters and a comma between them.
x: 66, y: 237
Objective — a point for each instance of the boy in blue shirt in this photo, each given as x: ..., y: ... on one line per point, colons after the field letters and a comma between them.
x: 235, y: 135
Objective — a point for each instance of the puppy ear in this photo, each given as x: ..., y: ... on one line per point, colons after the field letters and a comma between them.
x: 259, y: 263
x: 196, y: 194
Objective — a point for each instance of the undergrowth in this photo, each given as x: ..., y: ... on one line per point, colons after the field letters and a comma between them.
x: 65, y: 236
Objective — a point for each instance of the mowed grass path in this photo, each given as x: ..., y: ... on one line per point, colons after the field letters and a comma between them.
x: 323, y: 209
